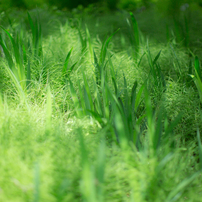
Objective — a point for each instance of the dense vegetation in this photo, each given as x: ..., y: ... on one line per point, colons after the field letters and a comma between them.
x: 100, y: 106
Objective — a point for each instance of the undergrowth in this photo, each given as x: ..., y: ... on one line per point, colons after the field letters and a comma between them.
x: 87, y: 117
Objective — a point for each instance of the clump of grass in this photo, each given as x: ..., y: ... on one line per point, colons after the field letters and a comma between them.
x: 120, y: 136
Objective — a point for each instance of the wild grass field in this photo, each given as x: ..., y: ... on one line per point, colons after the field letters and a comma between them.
x: 100, y: 107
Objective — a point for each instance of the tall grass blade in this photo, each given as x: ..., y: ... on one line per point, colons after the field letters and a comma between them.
x: 150, y: 121
x: 178, y: 64
x: 186, y: 32
x: 140, y: 60
x: 88, y: 93
x: 197, y: 67
x: 28, y: 74
x: 120, y: 128
x: 169, y: 129
x: 36, y: 196
x: 133, y: 99
x: 48, y: 108
x: 16, y: 83
x: 200, y: 149
x: 167, y: 33
x: 97, y: 70
x: 178, y: 29
x: 75, y: 99
x: 81, y: 97
x: 15, y: 46
x: 177, y: 191
x: 83, y: 150
x: 7, y: 54
x: 126, y: 97
x: 16, y: 49
x: 104, y: 48
x: 87, y: 184
x: 101, y: 171
x: 37, y: 50
x: 83, y: 41
x: 159, y: 130
x: 67, y: 71
x: 115, y: 86
x: 138, y: 97
x: 64, y: 70
x: 197, y: 78
x: 86, y: 99
x: 156, y: 58
x: 89, y: 44
x: 135, y: 34
x: 97, y: 100
x: 31, y: 23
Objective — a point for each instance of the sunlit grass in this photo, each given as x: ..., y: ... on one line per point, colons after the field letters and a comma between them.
x: 98, y: 123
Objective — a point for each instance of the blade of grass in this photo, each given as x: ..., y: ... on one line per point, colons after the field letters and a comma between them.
x: 197, y: 67
x: 150, y: 121
x: 48, y: 108
x: 75, y: 99
x: 104, y: 48
x: 87, y: 184
x: 178, y: 64
x: 200, y: 149
x: 36, y: 196
x: 28, y: 74
x: 88, y: 93
x: 135, y: 34
x: 67, y: 71
x: 156, y: 58
x: 7, y: 54
x: 101, y: 170
x: 197, y: 78
x: 119, y: 128
x: 138, y: 97
x: 89, y: 44
x: 36, y: 36
x: 97, y: 70
x: 126, y: 97
x: 64, y: 70
x: 186, y: 31
x: 177, y: 191
x: 82, y: 40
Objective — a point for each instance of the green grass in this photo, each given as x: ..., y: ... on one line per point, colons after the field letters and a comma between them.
x: 86, y: 117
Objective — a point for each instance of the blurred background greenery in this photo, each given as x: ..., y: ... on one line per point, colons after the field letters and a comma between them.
x: 168, y: 6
